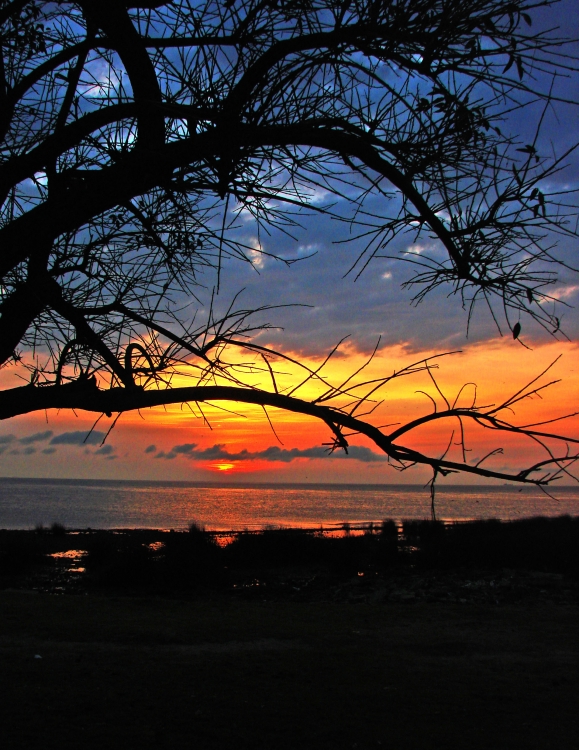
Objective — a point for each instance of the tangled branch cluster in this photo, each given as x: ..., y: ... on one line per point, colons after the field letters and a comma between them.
x: 132, y: 135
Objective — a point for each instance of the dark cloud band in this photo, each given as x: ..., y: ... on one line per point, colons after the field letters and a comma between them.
x: 78, y: 438
x: 219, y: 452
x: 37, y: 437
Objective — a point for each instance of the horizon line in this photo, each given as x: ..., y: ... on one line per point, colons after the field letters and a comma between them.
x: 270, y: 483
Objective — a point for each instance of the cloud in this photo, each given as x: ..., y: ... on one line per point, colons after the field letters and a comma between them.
x: 150, y: 449
x: 48, y: 451
x: 186, y: 448
x: 372, y: 304
x: 255, y: 254
x: 564, y: 292
x: 78, y: 438
x: 106, y: 450
x: 361, y: 453
x: 5, y: 441
x: 219, y: 452
x: 167, y: 456
x: 37, y: 437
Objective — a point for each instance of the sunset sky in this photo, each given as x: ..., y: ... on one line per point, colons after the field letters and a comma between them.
x: 176, y: 444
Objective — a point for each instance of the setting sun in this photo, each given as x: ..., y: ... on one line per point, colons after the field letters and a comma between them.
x: 222, y: 467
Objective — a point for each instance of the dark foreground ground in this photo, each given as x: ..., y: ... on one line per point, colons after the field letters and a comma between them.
x: 156, y: 673
x: 348, y: 650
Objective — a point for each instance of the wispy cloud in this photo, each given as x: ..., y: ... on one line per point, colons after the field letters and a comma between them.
x: 150, y: 449
x: 255, y: 253
x: 106, y: 450
x: 564, y: 292
x: 5, y: 441
x: 78, y: 438
x: 37, y: 437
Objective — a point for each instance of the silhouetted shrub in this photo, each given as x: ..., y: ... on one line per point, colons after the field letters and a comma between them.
x: 19, y: 553
x: 549, y: 544
x: 276, y: 548
x: 120, y: 561
x: 191, y: 560
x: 388, y: 546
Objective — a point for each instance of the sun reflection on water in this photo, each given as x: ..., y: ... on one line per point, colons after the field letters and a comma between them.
x: 73, y: 557
x: 69, y: 554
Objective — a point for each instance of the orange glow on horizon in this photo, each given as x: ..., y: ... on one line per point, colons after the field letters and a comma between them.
x: 499, y: 368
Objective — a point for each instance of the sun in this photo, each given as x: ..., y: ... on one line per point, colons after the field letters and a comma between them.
x: 222, y: 467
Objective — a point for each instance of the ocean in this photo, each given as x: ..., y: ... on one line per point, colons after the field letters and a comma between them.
x: 100, y: 504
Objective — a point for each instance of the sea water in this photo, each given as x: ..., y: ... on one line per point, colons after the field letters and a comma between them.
x: 98, y: 504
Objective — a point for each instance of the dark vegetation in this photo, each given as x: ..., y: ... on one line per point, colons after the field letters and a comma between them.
x: 386, y: 560
x: 421, y: 636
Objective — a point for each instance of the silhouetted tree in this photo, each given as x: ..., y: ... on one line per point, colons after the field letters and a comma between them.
x: 132, y: 133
